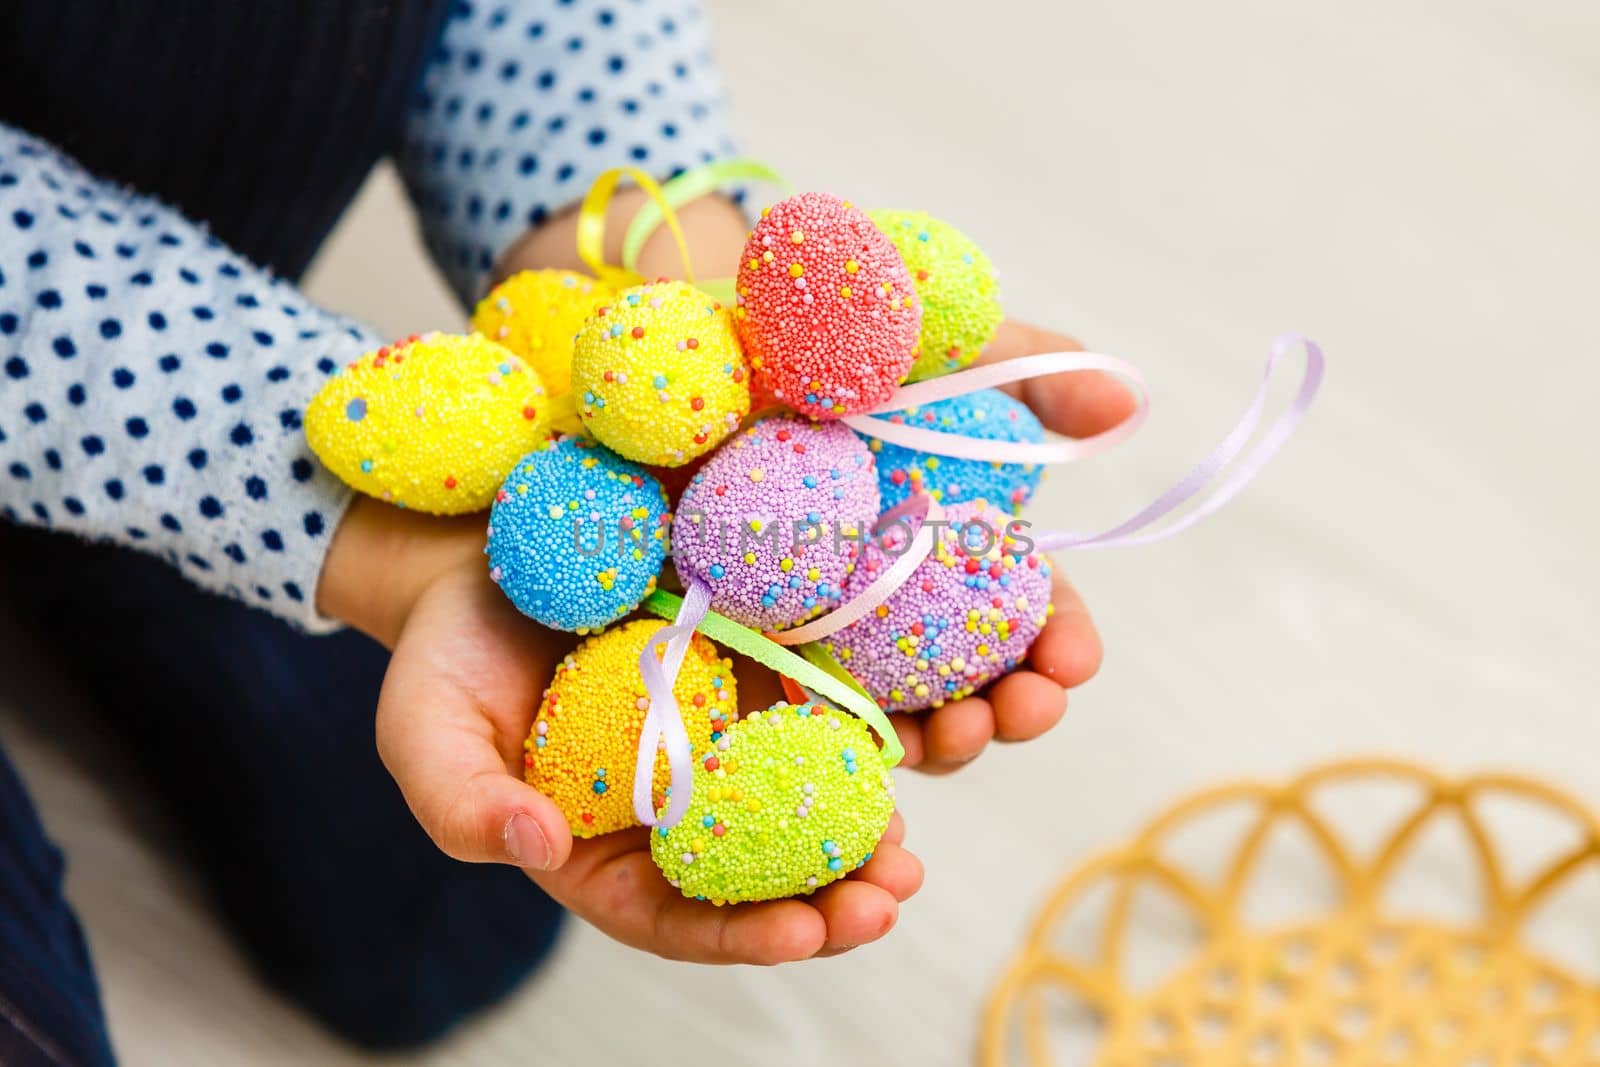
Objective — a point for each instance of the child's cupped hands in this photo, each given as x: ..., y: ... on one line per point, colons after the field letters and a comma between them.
x: 468, y: 672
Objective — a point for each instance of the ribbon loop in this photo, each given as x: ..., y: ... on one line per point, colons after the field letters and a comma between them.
x: 1128, y: 532
x: 659, y: 209
x: 663, y: 721
x: 592, y: 226
x: 691, y: 185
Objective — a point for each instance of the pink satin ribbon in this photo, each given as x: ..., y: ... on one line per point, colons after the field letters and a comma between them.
x: 990, y: 376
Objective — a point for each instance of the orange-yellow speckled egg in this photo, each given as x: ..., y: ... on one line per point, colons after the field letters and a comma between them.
x: 582, y: 750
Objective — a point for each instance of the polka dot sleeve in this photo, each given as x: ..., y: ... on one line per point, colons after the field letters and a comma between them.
x: 152, y: 384
x: 525, y: 102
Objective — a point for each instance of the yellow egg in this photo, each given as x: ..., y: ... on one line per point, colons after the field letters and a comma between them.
x: 431, y: 423
x: 658, y: 375
x: 583, y: 747
x: 536, y: 314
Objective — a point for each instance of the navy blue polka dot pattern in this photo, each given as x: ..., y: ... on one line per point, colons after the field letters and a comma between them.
x: 151, y: 385
x: 525, y: 102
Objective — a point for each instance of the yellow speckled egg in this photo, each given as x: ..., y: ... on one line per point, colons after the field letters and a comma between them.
x: 536, y: 314
x: 582, y: 750
x: 432, y: 423
x: 658, y: 374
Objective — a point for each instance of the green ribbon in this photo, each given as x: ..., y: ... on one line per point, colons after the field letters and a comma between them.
x: 691, y: 185
x: 832, y: 682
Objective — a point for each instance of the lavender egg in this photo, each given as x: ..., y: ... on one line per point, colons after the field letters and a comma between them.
x: 774, y: 521
x: 968, y: 614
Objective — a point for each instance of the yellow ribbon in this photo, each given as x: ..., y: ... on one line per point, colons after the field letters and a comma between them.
x: 660, y: 208
x: 691, y: 185
x: 592, y: 226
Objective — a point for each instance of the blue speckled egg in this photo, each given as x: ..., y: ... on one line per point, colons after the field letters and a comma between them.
x: 988, y: 414
x: 577, y: 535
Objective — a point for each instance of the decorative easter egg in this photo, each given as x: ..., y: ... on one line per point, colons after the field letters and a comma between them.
x: 431, y: 423
x: 659, y: 375
x: 582, y: 750
x: 955, y: 282
x: 827, y: 311
x: 774, y: 520
x: 577, y: 535
x: 785, y: 801
x: 536, y: 314
x: 989, y: 415
x: 967, y: 615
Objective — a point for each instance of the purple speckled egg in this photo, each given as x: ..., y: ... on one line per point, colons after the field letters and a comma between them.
x: 773, y: 523
x: 967, y: 615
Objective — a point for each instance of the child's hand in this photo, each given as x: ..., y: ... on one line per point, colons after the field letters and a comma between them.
x: 468, y: 673
x: 458, y: 700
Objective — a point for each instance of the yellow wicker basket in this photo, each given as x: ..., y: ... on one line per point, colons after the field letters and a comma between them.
x: 1360, y: 984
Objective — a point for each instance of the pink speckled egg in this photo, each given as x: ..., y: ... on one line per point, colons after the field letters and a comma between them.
x: 827, y: 312
x: 968, y: 614
x: 774, y: 521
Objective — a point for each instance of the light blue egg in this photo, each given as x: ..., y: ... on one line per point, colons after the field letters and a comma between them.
x: 577, y: 535
x: 989, y: 415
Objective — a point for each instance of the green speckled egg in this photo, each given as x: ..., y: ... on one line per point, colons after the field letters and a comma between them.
x: 956, y: 284
x: 785, y: 801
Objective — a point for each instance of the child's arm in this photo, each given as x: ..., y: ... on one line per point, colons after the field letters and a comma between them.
x: 151, y: 385
x: 525, y: 103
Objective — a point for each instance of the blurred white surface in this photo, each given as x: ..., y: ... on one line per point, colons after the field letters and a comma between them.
x: 1175, y: 183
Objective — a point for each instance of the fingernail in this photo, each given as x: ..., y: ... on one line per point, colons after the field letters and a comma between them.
x: 525, y: 842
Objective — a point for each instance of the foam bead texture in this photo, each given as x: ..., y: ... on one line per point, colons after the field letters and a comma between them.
x: 786, y: 801
x: 955, y: 282
x: 431, y: 423
x: 581, y: 752
x: 578, y: 535
x: 989, y: 415
x: 659, y: 374
x: 772, y: 523
x: 962, y: 619
x: 536, y: 314
x: 827, y: 312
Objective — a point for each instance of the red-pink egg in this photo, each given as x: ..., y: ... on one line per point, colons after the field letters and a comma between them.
x: 827, y: 312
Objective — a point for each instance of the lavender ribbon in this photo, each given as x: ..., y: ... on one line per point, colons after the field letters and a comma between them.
x: 663, y: 722
x: 1128, y: 532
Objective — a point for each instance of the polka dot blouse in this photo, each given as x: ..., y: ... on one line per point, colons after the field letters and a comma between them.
x: 153, y: 383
